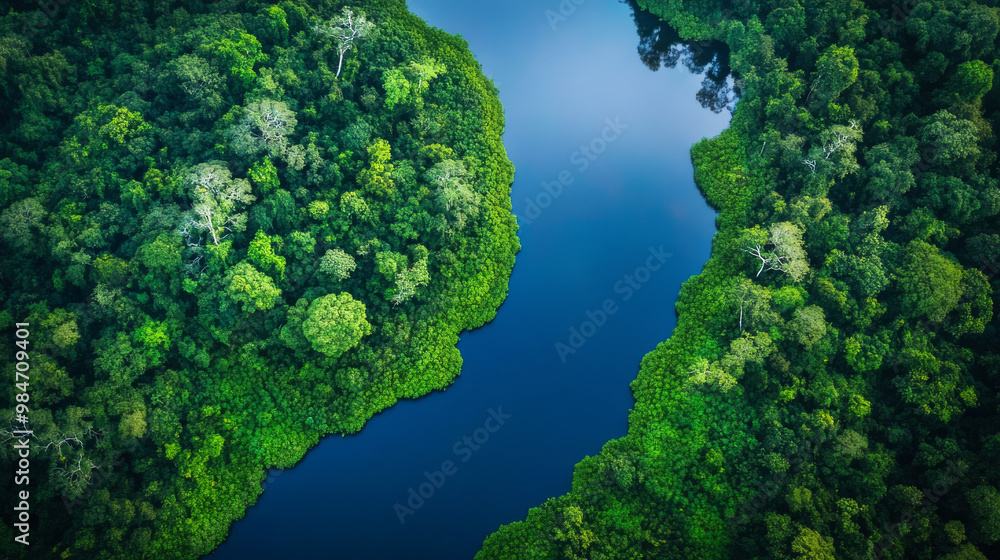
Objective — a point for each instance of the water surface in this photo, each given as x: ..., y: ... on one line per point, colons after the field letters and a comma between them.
x: 578, y: 85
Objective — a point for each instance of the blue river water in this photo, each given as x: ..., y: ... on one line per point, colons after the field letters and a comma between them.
x: 611, y: 225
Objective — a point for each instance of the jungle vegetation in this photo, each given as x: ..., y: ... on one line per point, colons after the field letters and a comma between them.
x: 234, y: 227
x: 831, y: 389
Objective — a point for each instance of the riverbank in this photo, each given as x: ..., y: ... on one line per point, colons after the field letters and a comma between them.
x: 636, y: 198
x: 836, y: 359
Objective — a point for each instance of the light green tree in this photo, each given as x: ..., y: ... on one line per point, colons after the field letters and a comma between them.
x: 197, y: 79
x: 398, y: 89
x: 20, y: 222
x: 810, y: 545
x: 133, y: 424
x: 836, y: 70
x: 984, y: 506
x: 426, y: 70
x: 833, y: 152
x: 261, y: 253
x: 453, y: 193
x: 949, y: 138
x: 238, y: 52
x: 407, y: 82
x: 354, y: 205
x: 808, y: 325
x: 405, y: 278
x: 252, y: 288
x: 377, y: 179
x: 971, y: 81
x: 710, y: 374
x: 335, y: 323
x: 264, y: 175
x: 337, y: 263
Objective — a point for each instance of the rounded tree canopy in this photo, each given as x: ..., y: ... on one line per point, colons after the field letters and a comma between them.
x: 931, y: 283
x: 335, y: 323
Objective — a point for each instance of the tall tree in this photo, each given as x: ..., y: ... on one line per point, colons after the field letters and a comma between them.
x: 786, y: 254
x: 346, y: 29
x: 216, y: 197
x: 264, y: 126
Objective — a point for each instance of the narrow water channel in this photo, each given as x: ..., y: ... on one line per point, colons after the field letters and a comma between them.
x: 611, y: 225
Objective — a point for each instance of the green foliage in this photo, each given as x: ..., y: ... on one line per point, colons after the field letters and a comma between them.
x: 377, y: 179
x: 237, y: 54
x: 810, y: 545
x: 805, y: 414
x: 972, y: 79
x: 187, y: 199
x: 264, y: 175
x: 261, y: 253
x: 809, y: 325
x: 335, y: 323
x: 248, y: 286
x: 954, y: 139
x: 837, y: 70
x: 398, y: 89
x: 930, y: 282
x: 984, y: 504
x: 338, y: 264
x: 405, y: 84
x: 215, y: 198
x: 264, y: 126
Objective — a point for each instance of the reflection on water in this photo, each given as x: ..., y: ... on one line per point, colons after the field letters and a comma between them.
x: 660, y: 46
x: 564, y: 91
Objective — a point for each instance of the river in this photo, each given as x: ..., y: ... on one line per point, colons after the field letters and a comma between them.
x: 611, y: 225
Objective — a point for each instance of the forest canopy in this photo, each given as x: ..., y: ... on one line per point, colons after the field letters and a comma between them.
x: 233, y: 227
x: 831, y: 389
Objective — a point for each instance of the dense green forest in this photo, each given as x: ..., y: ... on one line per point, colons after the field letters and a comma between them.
x: 233, y: 227
x: 831, y: 389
